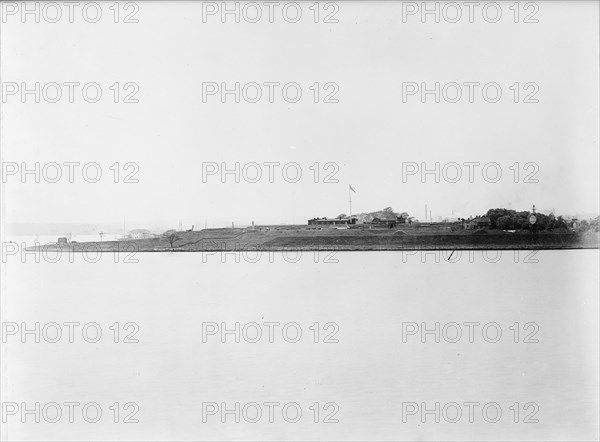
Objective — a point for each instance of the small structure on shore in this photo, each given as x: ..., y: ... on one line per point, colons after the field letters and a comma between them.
x: 482, y: 222
x: 381, y: 218
x: 137, y: 234
x: 331, y: 221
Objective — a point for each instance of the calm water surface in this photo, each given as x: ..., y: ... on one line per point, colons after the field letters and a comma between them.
x: 369, y: 373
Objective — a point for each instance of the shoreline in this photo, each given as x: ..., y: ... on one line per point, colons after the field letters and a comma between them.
x: 286, y: 238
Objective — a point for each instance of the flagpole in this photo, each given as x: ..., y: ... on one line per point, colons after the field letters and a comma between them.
x: 350, y: 201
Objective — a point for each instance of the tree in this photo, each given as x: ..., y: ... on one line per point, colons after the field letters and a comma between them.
x: 511, y: 220
x: 504, y: 222
x: 584, y: 226
x: 560, y: 222
x: 171, y: 236
x: 403, y: 217
x: 495, y: 214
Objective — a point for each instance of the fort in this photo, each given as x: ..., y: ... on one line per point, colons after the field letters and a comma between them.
x: 415, y: 236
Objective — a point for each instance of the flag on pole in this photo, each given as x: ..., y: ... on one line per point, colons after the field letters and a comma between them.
x: 352, y: 189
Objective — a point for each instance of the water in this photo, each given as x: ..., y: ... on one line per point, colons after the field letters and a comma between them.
x: 364, y: 297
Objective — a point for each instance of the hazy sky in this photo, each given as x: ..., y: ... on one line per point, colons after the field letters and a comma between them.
x: 368, y: 134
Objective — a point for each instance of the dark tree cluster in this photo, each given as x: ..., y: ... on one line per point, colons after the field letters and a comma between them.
x: 507, y: 219
x: 593, y: 225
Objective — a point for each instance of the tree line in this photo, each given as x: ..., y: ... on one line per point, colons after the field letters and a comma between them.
x: 507, y: 219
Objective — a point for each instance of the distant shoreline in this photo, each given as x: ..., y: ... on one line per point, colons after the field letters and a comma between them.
x: 282, y: 238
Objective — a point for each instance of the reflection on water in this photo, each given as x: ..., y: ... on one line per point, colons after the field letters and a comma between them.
x: 379, y: 306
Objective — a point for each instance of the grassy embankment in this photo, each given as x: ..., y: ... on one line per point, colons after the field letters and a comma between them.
x: 327, y: 238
